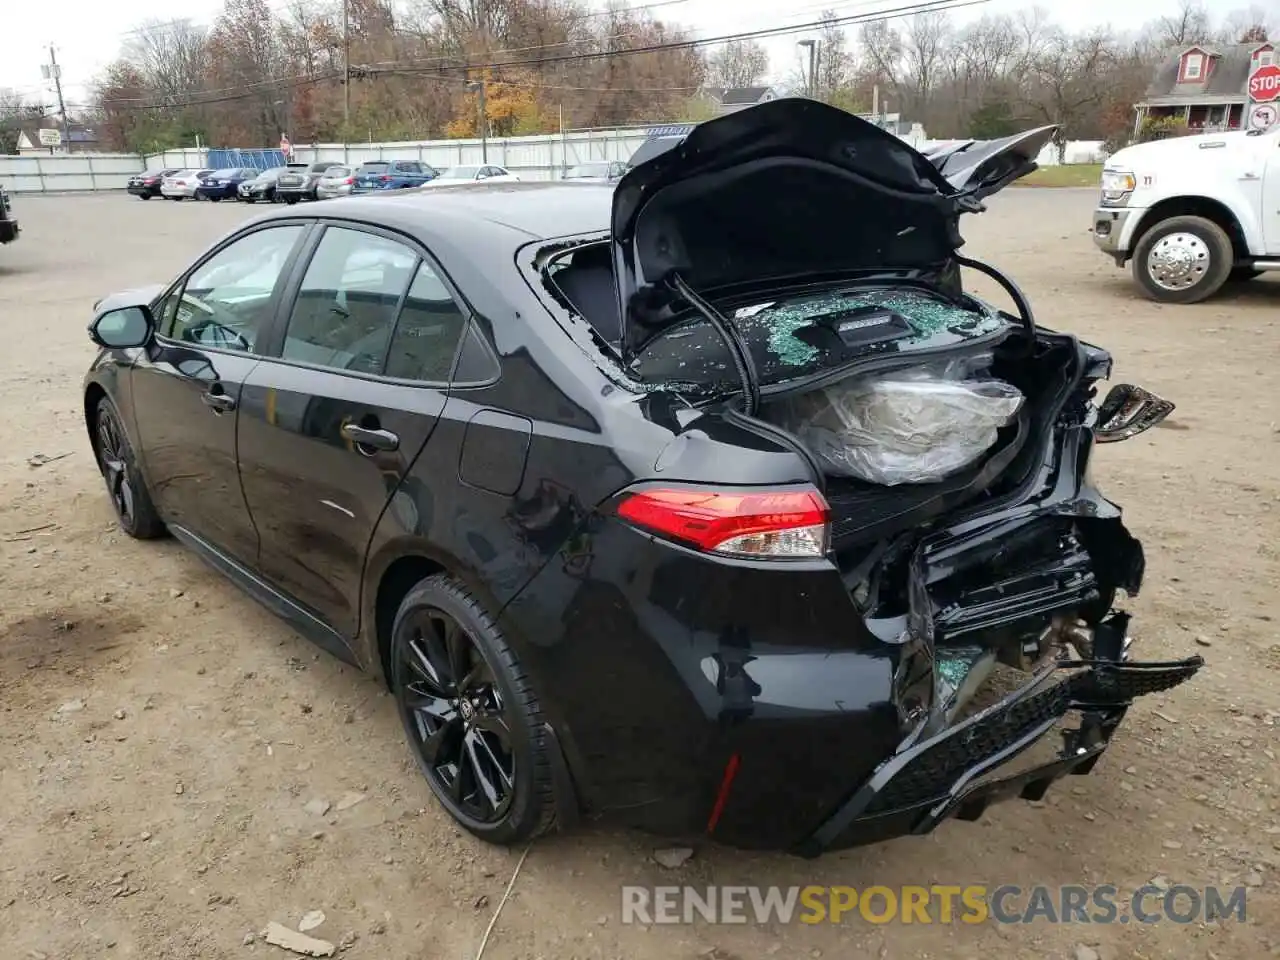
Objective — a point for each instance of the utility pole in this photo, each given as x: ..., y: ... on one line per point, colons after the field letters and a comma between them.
x: 346, y: 76
x: 483, y: 118
x: 55, y: 74
x: 812, y: 84
x: 484, y: 126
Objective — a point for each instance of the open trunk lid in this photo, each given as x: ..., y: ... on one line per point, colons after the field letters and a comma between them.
x: 785, y: 190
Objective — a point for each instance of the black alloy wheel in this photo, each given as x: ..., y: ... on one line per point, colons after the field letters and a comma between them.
x: 129, y: 497
x: 472, y: 720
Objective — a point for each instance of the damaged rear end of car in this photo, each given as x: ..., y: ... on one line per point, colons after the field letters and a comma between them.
x: 904, y: 467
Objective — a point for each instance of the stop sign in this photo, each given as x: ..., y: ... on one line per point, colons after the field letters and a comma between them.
x: 1264, y: 84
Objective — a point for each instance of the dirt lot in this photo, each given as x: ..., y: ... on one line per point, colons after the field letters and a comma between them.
x: 162, y: 735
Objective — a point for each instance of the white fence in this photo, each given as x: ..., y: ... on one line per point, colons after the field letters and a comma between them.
x: 61, y: 172
x: 542, y: 157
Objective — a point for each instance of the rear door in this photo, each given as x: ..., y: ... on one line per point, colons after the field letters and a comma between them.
x: 330, y: 425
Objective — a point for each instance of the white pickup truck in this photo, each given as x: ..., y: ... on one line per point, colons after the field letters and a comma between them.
x: 1192, y: 213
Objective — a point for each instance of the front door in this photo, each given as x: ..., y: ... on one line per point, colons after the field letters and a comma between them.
x: 330, y: 427
x: 187, y: 387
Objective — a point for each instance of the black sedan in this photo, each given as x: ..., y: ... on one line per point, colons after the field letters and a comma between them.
x: 261, y: 187
x: 225, y: 184
x: 621, y: 491
x: 146, y: 185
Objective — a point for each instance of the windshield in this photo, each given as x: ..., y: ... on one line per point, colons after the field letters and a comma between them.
x: 459, y: 173
x: 374, y: 166
x: 337, y: 172
x: 225, y: 174
x: 587, y: 170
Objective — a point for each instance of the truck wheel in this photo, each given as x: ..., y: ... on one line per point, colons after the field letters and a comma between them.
x: 1182, y: 260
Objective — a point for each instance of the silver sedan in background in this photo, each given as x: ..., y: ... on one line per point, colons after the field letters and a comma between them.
x: 337, y: 181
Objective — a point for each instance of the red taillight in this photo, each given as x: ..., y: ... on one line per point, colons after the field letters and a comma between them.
x: 384, y: 178
x: 349, y: 181
x: 744, y: 522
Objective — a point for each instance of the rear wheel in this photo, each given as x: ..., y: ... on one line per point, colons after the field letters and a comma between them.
x: 130, y: 499
x: 144, y: 196
x: 473, y: 722
x: 1183, y: 260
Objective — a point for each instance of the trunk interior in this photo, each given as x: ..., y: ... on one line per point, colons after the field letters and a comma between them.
x: 809, y: 343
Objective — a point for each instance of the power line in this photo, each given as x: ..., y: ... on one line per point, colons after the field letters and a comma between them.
x: 398, y: 68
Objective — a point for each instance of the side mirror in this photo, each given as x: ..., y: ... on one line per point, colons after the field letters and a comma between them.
x: 122, y: 328
x: 1128, y: 411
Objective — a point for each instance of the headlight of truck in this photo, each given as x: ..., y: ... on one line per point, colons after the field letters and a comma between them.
x: 1116, y: 187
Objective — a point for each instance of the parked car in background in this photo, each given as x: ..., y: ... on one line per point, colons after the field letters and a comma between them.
x: 336, y: 182
x: 224, y: 184
x: 261, y: 187
x: 9, y: 228
x: 601, y: 171
x: 486, y: 173
x: 393, y: 175
x: 146, y: 185
x: 299, y: 181
x: 183, y: 184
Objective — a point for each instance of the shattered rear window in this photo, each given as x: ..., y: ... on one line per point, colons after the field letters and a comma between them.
x: 796, y: 337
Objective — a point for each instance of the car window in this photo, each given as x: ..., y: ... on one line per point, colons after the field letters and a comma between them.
x: 346, y: 306
x: 226, y: 301
x: 427, y: 332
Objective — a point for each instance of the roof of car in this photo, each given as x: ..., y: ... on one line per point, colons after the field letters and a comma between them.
x: 539, y: 210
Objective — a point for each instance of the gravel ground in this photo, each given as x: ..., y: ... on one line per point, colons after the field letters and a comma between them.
x: 163, y: 737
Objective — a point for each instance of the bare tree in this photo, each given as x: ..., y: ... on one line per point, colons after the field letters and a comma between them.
x: 836, y: 62
x: 739, y: 63
x: 925, y: 45
x: 1068, y: 78
x: 173, y: 58
x: 13, y: 109
x: 1251, y: 25
x: 1187, y: 25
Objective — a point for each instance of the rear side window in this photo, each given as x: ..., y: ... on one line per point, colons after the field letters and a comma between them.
x: 428, y: 331
x: 346, y: 307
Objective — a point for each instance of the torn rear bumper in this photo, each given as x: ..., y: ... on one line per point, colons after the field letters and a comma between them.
x: 951, y: 773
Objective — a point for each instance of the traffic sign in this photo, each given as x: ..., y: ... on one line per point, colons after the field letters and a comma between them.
x: 1264, y: 84
x: 49, y: 138
x: 1263, y: 116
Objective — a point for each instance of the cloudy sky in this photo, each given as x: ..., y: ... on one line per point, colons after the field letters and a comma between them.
x: 87, y: 34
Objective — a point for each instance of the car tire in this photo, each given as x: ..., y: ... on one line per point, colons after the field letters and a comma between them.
x: 489, y: 736
x: 130, y: 499
x: 144, y: 196
x: 1183, y: 260
x: 291, y: 200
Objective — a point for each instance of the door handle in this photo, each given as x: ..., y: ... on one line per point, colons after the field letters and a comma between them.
x: 367, y: 437
x: 218, y: 402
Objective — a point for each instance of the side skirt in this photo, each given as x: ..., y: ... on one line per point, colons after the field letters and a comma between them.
x: 306, y: 623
